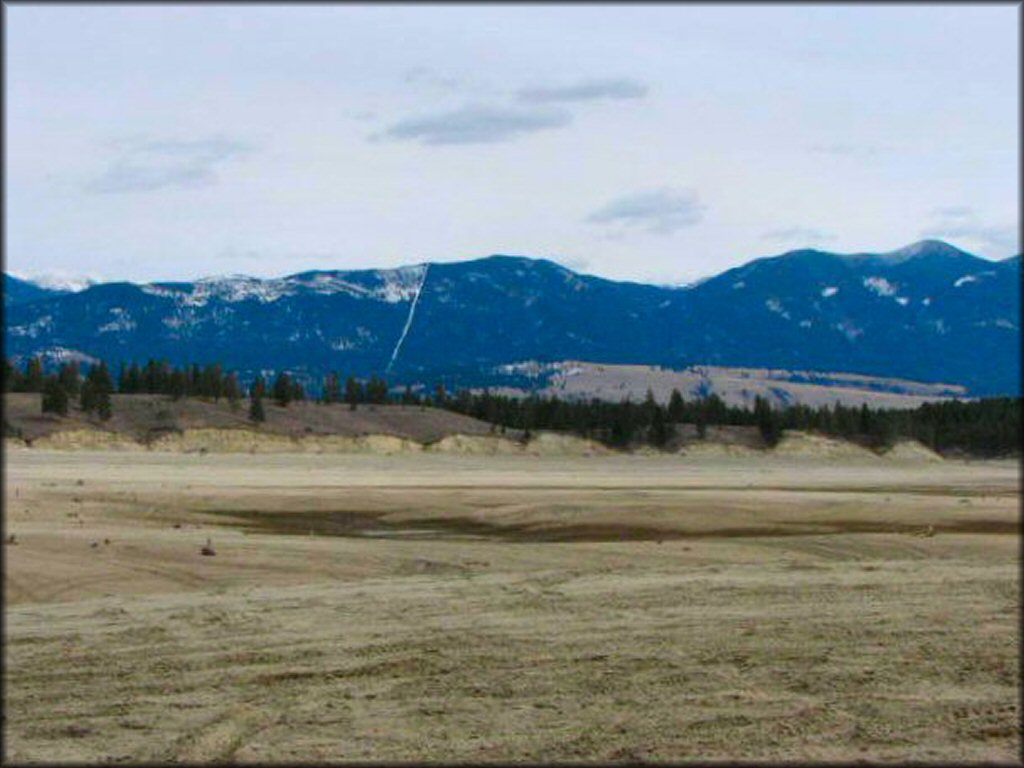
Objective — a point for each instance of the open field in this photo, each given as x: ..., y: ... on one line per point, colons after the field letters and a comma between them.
x: 736, y: 386
x: 432, y: 606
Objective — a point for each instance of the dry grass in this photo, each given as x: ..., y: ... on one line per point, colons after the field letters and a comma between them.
x: 148, y: 418
x: 470, y: 608
x: 739, y: 386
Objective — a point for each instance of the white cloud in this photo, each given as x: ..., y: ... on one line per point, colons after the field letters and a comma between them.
x: 800, y: 235
x: 587, y: 90
x: 146, y: 165
x: 961, y: 222
x: 659, y: 211
x: 475, y: 124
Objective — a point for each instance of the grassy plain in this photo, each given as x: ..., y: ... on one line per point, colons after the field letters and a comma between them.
x: 498, y: 608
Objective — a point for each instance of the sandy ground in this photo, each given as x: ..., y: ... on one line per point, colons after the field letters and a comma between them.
x: 496, y: 608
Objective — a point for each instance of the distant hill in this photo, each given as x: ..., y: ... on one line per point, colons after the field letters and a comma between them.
x: 573, y: 380
x: 928, y: 312
x: 18, y: 291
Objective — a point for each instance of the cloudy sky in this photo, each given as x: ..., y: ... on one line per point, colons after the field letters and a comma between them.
x: 658, y: 143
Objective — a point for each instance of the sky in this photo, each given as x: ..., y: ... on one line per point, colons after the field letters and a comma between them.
x: 660, y: 143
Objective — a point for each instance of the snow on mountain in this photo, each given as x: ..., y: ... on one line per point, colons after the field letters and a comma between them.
x: 229, y: 288
x: 921, y: 248
x: 880, y: 285
x: 972, y: 278
x: 59, y: 281
x: 121, y: 321
x: 32, y: 329
x: 59, y: 355
x: 388, y: 285
x: 774, y: 305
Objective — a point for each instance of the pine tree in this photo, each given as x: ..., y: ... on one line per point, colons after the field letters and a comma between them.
x: 767, y: 421
x: 659, y: 432
x: 177, y: 384
x: 675, y: 407
x: 104, y: 387
x: 212, y: 382
x: 33, y: 381
x: 87, y: 396
x: 96, y: 391
x: 13, y: 380
x: 232, y: 390
x: 376, y: 390
x: 70, y: 378
x: 256, y: 412
x: 104, y: 405
x: 283, y: 390
x: 649, y: 406
x: 332, y: 388
x: 151, y: 378
x: 134, y: 380
x: 55, y: 396
x: 353, y: 393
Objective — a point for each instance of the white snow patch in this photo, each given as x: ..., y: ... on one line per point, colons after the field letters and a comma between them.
x: 388, y: 285
x: 927, y: 301
x: 176, y: 321
x: 880, y: 286
x: 159, y: 290
x: 235, y: 288
x: 849, y: 330
x: 964, y: 280
x: 122, y: 321
x: 806, y: 323
x: 33, y: 329
x: 828, y: 291
x: 1002, y: 322
x: 58, y: 280
x: 65, y: 355
x: 526, y: 367
x: 737, y: 285
x: 902, y: 301
x: 773, y: 305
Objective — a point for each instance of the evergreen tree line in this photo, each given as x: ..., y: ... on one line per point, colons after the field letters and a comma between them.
x: 155, y: 378
x: 982, y: 427
x: 62, y: 386
x: 986, y: 427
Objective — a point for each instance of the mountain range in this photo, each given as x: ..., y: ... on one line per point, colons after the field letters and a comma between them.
x: 927, y: 312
